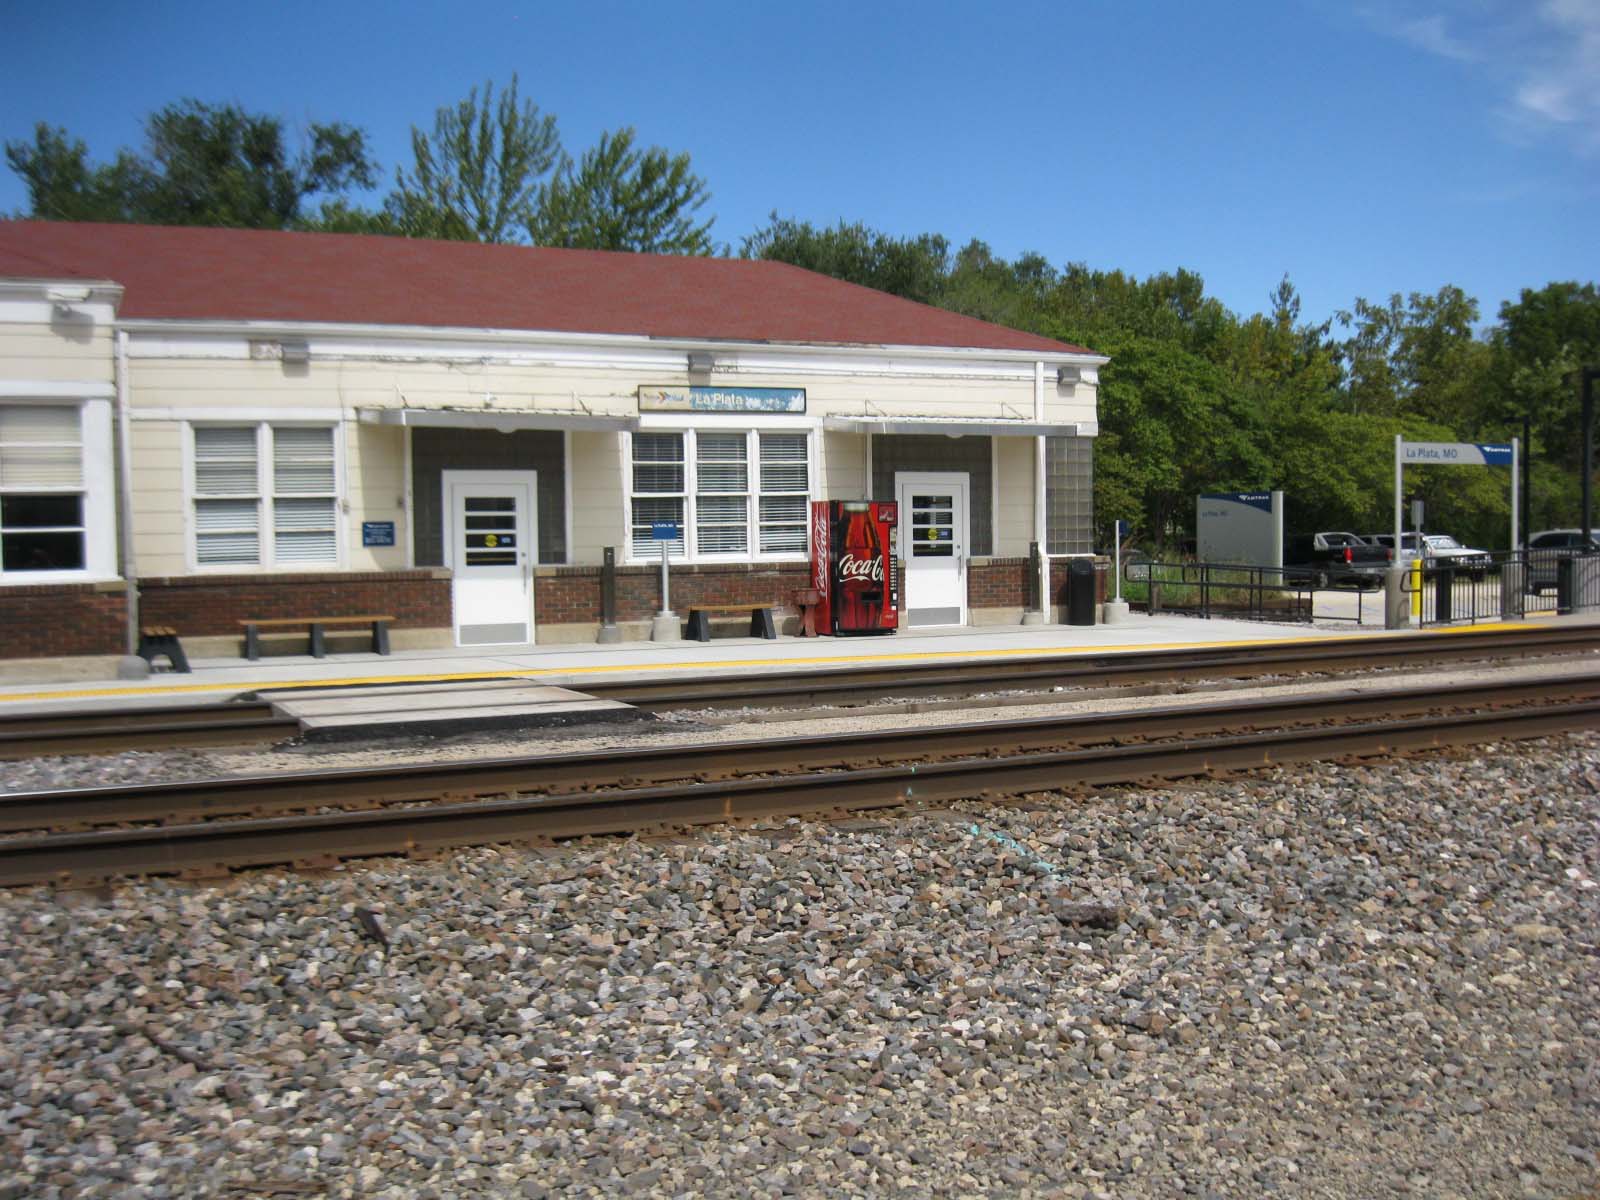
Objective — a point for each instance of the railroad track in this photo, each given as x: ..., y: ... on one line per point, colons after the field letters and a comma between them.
x: 407, y: 810
x: 247, y: 721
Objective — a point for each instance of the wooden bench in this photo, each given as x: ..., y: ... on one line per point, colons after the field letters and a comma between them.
x: 760, y: 619
x: 162, y: 639
x: 316, y: 626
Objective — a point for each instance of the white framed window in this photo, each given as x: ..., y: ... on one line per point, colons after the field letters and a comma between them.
x: 734, y: 494
x: 57, y: 523
x: 656, y: 492
x: 785, y: 495
x: 265, y: 495
x: 41, y: 489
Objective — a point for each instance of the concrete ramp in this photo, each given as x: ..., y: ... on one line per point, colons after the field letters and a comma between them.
x: 440, y: 709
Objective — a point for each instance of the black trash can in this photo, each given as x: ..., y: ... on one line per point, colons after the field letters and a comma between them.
x: 1444, y: 588
x: 1080, y: 592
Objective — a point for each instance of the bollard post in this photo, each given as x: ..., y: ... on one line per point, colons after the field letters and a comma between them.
x: 1033, y: 613
x: 609, y: 634
x: 1396, y: 603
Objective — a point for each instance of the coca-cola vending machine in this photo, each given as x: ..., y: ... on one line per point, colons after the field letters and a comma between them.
x: 853, y: 565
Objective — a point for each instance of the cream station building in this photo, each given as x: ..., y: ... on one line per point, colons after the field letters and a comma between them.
x: 201, y: 426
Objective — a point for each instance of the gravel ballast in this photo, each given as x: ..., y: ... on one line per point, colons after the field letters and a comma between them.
x: 1337, y: 980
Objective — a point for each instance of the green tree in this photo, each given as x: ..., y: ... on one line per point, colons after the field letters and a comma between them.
x: 914, y: 268
x: 1543, y: 340
x: 1418, y: 356
x: 1171, y: 429
x: 476, y: 177
x: 618, y: 197
x: 63, y: 186
x: 203, y: 165
x: 1009, y: 293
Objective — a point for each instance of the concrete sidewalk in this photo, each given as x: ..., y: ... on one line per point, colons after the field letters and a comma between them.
x: 571, y: 665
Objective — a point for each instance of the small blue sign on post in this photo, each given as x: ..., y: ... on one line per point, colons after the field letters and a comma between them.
x: 665, y: 531
x: 1124, y: 528
x: 377, y: 533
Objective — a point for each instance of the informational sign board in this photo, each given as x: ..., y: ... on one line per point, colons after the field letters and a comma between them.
x: 665, y: 531
x: 722, y: 399
x: 1240, y: 527
x: 377, y: 533
x: 1453, y: 454
x: 1462, y: 454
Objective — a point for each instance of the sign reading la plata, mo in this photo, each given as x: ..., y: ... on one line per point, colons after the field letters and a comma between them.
x: 1466, y: 454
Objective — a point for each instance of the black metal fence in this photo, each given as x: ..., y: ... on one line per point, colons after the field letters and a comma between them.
x: 1526, y: 583
x: 1229, y: 590
x: 1512, y: 586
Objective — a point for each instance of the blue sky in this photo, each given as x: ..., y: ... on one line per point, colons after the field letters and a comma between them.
x: 1362, y: 148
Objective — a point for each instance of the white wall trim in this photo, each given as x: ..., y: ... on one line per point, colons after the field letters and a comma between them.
x: 43, y: 389
x: 244, y: 416
x: 662, y: 357
x: 566, y: 503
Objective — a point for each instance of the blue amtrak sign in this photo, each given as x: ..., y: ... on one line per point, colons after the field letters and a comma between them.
x: 1456, y: 454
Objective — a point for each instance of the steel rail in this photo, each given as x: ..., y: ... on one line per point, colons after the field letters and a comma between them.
x: 826, y: 686
x: 304, y: 791
x: 82, y: 858
x: 146, y: 729
x: 244, y: 722
x: 92, y: 857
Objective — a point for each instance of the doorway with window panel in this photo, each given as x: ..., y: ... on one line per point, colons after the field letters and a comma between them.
x: 934, y: 544
x: 490, y: 555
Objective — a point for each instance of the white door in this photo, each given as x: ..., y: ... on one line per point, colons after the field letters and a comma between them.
x: 490, y: 550
x: 934, y: 543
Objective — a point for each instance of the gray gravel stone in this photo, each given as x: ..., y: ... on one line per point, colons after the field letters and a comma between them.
x: 1332, y: 981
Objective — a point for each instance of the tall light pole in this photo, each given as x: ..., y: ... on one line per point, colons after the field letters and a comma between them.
x: 1590, y: 374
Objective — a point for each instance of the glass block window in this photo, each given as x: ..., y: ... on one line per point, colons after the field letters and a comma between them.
x: 265, y: 495
x: 1069, y: 495
x: 41, y: 489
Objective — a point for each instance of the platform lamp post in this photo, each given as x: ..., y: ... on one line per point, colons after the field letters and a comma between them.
x: 1590, y: 374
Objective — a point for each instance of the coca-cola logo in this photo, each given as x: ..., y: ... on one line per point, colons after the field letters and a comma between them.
x: 851, y: 567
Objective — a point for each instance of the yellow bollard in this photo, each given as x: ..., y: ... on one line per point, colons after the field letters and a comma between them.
x: 1416, y: 588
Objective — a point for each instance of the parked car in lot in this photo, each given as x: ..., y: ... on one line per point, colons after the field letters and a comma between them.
x: 1547, y: 548
x: 1437, y: 550
x: 1329, y: 559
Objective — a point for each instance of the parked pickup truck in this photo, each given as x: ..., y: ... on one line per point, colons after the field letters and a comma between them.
x: 1438, y: 550
x: 1329, y: 559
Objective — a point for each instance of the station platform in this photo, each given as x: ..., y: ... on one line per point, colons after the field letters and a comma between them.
x: 574, y: 665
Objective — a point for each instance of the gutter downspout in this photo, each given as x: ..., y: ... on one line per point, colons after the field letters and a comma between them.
x: 130, y: 573
x: 1039, y: 523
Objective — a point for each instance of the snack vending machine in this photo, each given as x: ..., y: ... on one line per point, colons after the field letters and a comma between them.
x: 853, y: 544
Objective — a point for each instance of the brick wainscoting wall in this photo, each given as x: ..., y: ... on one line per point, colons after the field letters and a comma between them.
x: 997, y: 583
x: 78, y: 619
x: 213, y: 605
x: 1058, y: 582
x: 571, y: 595
x: 62, y: 620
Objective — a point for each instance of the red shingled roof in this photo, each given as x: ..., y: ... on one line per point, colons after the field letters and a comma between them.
x: 261, y: 275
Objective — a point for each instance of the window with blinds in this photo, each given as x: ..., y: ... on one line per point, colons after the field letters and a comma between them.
x: 657, y: 493
x: 265, y: 495
x: 733, y: 491
x: 41, y: 488
x: 722, y: 485
x: 785, y: 492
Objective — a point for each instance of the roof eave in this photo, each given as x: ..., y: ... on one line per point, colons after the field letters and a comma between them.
x: 241, y: 327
